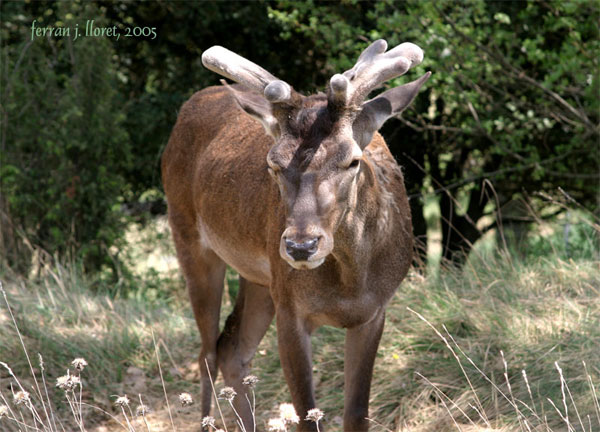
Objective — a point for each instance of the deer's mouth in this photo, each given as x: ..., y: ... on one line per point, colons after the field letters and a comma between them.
x: 306, y: 265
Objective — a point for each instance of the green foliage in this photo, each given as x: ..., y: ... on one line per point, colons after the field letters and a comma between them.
x: 64, y: 148
x: 572, y: 238
x: 520, y: 80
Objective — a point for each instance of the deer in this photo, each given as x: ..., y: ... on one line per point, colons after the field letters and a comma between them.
x: 302, y: 197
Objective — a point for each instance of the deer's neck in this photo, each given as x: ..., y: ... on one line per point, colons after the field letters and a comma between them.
x: 365, y: 227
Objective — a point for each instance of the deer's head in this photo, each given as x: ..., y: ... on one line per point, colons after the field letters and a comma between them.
x: 317, y: 155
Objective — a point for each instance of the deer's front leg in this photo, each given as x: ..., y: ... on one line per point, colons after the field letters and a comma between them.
x: 295, y: 354
x: 361, y: 348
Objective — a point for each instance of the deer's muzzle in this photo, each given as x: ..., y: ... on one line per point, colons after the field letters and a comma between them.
x: 304, y: 251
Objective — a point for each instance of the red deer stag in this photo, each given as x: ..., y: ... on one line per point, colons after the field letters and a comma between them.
x: 310, y: 209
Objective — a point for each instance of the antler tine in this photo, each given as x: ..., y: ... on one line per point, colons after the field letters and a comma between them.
x: 373, y: 67
x: 237, y: 68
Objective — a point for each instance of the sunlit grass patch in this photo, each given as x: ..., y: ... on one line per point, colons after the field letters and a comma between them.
x: 534, y: 313
x: 62, y: 319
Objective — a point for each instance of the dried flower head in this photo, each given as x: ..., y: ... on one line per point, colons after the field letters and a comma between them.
x: 227, y: 393
x: 122, y: 401
x: 186, y: 399
x: 79, y: 363
x: 68, y: 382
x: 250, y: 381
x: 288, y: 413
x: 208, y: 421
x: 277, y: 425
x: 314, y: 415
x: 142, y: 410
x: 3, y: 411
x: 21, y: 397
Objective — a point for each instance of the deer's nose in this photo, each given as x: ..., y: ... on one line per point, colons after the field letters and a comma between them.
x: 301, y: 251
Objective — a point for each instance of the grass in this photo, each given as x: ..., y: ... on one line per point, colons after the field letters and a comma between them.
x: 62, y: 319
x: 511, y: 342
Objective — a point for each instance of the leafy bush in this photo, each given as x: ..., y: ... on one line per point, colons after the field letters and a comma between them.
x: 64, y: 148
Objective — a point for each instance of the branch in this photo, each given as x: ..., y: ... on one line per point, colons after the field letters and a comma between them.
x: 491, y: 174
x: 579, y: 114
x: 431, y: 127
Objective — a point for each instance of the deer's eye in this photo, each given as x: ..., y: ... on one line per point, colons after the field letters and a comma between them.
x: 354, y: 164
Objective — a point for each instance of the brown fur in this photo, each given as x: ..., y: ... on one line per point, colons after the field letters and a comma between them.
x: 225, y: 208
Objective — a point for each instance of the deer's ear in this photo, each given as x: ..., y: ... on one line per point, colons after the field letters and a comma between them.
x: 375, y: 112
x: 256, y: 106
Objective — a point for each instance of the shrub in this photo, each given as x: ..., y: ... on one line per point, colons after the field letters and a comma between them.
x: 64, y: 148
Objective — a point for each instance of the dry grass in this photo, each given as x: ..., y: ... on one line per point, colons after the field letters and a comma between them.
x: 498, y: 346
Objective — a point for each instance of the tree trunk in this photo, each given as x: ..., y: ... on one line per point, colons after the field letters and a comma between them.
x: 460, y: 232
